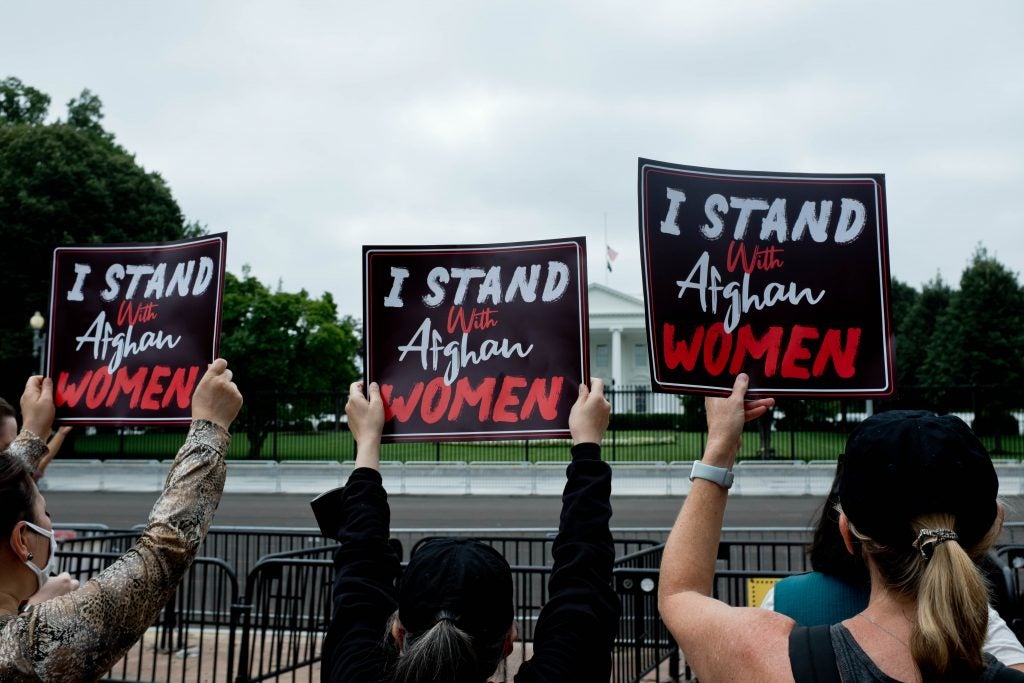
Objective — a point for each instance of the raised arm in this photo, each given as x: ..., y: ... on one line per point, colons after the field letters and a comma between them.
x: 53, y: 447
x: 366, y: 567
x: 576, y: 628
x: 89, y: 629
x: 720, y: 642
x: 37, y: 412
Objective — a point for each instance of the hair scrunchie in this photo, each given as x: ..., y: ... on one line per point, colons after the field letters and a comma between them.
x: 928, y: 539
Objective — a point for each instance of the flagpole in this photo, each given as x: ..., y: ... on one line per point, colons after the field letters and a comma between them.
x: 607, y: 272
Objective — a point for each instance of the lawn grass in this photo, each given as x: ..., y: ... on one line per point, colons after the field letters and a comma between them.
x: 619, y: 446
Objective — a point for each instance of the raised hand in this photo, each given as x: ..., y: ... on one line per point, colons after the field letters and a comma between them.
x: 37, y: 407
x: 217, y: 399
x: 727, y: 415
x: 366, y: 420
x: 589, y: 416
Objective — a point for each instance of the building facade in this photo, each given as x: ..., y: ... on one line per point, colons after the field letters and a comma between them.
x: 618, y: 351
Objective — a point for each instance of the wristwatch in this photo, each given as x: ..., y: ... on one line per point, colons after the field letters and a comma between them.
x: 719, y: 475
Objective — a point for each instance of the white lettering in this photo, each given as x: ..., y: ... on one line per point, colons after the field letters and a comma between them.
x: 81, y: 270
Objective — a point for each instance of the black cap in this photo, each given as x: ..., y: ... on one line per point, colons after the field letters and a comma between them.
x: 463, y: 577
x: 901, y: 464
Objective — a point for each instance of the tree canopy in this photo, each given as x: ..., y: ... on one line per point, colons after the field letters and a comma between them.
x: 978, y: 339
x: 64, y: 182
x: 283, y: 342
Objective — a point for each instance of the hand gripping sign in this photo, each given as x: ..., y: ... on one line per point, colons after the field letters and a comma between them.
x: 476, y: 342
x: 784, y: 276
x: 132, y: 329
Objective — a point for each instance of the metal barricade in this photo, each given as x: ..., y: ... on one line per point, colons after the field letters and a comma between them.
x: 192, y: 638
x: 284, y: 615
x: 643, y: 646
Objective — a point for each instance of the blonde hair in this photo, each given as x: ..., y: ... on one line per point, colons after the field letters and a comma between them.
x: 951, y: 595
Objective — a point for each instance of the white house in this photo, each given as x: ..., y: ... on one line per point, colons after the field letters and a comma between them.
x: 618, y: 350
x: 618, y: 338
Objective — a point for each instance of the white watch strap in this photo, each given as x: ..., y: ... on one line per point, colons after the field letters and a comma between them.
x: 719, y: 475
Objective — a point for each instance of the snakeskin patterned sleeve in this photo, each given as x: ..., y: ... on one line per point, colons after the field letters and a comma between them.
x: 79, y: 636
x: 29, y: 448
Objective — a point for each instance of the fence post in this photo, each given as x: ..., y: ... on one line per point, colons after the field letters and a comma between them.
x: 611, y: 427
x: 437, y: 451
x: 277, y: 423
x: 338, y: 412
x: 120, y: 441
x: 526, y: 450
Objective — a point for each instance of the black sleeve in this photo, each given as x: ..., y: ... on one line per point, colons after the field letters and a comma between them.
x: 576, y: 628
x: 366, y: 569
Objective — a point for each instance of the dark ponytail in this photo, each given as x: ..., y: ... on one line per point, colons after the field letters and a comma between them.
x: 445, y: 653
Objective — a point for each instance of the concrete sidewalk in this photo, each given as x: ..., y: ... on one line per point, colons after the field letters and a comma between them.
x: 777, y: 478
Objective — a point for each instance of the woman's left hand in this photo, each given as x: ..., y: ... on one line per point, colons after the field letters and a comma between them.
x: 726, y: 417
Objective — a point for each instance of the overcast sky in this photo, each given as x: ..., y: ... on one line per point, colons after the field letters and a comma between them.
x: 307, y: 129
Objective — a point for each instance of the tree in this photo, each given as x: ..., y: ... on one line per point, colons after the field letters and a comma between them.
x: 978, y: 341
x: 63, y: 183
x: 278, y: 340
x: 916, y: 331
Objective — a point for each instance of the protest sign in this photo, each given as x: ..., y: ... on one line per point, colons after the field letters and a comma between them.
x: 132, y: 329
x: 784, y: 276
x: 476, y: 342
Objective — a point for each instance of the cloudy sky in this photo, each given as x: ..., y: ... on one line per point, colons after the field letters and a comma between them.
x: 307, y: 129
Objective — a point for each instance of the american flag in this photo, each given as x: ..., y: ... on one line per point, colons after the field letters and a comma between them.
x: 610, y: 255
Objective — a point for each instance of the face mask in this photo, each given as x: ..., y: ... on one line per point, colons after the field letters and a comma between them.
x: 42, y: 575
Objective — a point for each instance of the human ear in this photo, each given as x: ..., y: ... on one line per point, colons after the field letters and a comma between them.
x: 844, y: 531
x: 510, y: 638
x: 19, y: 544
x: 398, y: 633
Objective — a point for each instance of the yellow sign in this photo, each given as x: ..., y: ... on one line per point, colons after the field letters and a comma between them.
x: 757, y: 588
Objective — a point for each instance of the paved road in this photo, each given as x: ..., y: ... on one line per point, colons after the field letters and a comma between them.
x: 120, y: 510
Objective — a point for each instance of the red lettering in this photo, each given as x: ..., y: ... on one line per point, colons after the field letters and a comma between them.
x: 398, y: 407
x: 141, y: 388
x: 465, y: 394
x: 181, y: 388
x: 678, y: 353
x: 740, y: 254
x: 763, y: 258
x: 796, y: 351
x: 717, y: 348
x: 843, y: 359
x: 129, y: 315
x: 478, y: 320
x: 766, y: 347
x: 547, y: 402
x: 506, y: 399
x: 98, y: 388
x: 123, y: 384
x: 69, y: 393
x: 435, y: 400
x: 154, y: 387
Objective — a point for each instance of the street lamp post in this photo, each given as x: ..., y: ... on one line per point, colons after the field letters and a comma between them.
x: 36, y: 322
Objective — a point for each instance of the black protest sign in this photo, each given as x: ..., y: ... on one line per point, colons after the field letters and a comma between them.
x: 476, y: 342
x: 132, y: 329
x: 784, y: 276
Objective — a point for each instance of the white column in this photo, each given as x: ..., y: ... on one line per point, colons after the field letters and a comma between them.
x: 617, y: 356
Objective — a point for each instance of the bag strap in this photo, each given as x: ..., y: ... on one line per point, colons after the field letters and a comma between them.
x: 811, y: 655
x: 1007, y: 675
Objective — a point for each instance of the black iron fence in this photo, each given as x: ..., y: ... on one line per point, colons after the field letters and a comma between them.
x: 273, y: 628
x: 645, y: 426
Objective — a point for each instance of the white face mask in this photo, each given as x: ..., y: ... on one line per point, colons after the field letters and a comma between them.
x: 43, y: 575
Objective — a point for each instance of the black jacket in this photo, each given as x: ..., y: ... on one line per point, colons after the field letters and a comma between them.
x: 576, y: 628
